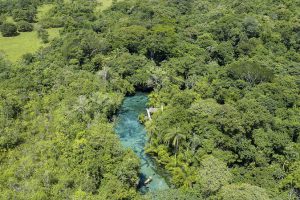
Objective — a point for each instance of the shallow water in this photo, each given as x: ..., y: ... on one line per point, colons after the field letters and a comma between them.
x: 133, y: 135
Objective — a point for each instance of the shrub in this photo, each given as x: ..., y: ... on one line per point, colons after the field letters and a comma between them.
x: 43, y: 35
x: 28, y: 58
x: 52, y: 22
x: 26, y: 15
x: 2, y: 19
x: 24, y: 26
x: 9, y: 30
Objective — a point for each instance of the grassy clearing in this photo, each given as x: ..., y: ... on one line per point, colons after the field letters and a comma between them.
x: 15, y: 47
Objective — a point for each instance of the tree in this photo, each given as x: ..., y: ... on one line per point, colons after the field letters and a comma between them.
x: 175, y: 136
x: 24, y: 14
x: 2, y: 19
x: 251, y: 71
x: 223, y: 53
x: 9, y: 30
x: 160, y: 43
x: 292, y: 180
x: 43, y: 35
x: 212, y: 176
x: 242, y: 192
x: 251, y: 27
x: 24, y: 26
x: 131, y: 37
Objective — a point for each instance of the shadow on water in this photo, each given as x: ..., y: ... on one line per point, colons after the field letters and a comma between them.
x: 133, y: 135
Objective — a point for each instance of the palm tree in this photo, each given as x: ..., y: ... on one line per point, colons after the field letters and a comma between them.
x: 174, y: 136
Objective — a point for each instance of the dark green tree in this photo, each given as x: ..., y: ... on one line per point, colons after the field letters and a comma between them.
x: 24, y: 26
x: 9, y: 30
x: 24, y: 14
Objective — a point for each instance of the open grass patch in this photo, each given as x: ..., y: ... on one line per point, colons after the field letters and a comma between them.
x: 27, y: 42
x: 15, y: 47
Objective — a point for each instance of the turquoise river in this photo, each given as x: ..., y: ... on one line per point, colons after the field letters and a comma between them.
x: 133, y: 135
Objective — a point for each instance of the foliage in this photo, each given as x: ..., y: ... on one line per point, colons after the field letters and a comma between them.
x: 43, y: 35
x: 24, y: 14
x: 251, y: 72
x: 225, y: 72
x: 9, y: 30
x: 242, y: 191
x: 212, y: 174
x: 24, y: 26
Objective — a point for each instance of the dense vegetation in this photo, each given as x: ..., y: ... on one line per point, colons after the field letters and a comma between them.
x: 9, y: 29
x: 226, y: 73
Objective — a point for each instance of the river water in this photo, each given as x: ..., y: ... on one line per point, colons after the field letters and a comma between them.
x: 133, y: 135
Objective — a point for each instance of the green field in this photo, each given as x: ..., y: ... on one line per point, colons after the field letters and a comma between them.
x: 28, y: 42
x: 15, y: 47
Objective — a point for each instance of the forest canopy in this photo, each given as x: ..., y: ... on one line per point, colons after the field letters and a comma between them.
x: 226, y: 73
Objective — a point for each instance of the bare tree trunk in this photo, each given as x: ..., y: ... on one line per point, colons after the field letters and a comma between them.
x: 149, y: 114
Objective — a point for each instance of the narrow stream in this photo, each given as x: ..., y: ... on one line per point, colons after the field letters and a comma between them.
x: 133, y: 135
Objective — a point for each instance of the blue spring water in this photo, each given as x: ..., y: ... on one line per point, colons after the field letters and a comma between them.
x: 133, y: 135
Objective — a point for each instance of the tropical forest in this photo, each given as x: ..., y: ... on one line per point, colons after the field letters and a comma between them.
x: 149, y: 100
